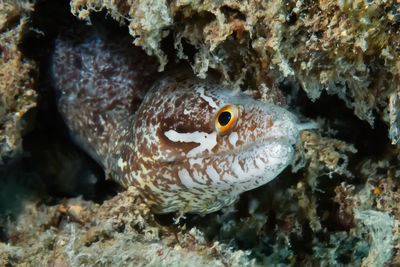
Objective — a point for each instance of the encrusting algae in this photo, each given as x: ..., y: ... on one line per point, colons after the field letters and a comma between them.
x: 335, y: 62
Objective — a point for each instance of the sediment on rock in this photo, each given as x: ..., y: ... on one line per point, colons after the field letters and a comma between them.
x: 334, y: 61
x: 17, y: 94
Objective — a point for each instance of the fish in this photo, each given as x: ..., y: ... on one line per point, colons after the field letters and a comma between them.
x: 188, y: 144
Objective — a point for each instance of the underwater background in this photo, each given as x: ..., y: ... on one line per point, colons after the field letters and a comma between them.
x: 334, y: 62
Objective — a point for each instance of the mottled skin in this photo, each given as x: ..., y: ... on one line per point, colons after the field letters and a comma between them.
x: 160, y: 135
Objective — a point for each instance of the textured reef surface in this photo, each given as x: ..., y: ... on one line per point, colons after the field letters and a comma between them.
x: 335, y: 62
x: 16, y: 84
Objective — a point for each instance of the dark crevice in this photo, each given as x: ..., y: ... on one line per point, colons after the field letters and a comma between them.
x: 52, y: 167
x: 342, y: 120
x: 231, y: 13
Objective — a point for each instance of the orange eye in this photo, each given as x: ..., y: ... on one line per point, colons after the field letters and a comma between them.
x: 226, y: 119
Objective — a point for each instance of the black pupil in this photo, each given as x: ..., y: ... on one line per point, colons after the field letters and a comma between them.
x: 224, y: 118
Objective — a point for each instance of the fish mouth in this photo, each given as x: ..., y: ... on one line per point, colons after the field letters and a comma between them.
x: 269, y: 141
x: 262, y: 142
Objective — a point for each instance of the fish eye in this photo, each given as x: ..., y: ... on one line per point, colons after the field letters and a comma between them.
x: 226, y: 119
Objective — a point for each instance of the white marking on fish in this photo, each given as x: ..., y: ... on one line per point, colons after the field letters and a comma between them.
x: 199, y: 177
x: 233, y: 138
x: 229, y: 178
x: 193, y: 161
x: 213, y: 174
x: 122, y: 164
x: 187, y: 111
x: 186, y: 179
x: 209, y: 100
x: 259, y: 163
x: 237, y: 169
x: 173, y: 187
x: 206, y: 141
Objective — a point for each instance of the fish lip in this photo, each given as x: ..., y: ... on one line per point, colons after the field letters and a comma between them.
x: 261, y: 143
x: 282, y: 141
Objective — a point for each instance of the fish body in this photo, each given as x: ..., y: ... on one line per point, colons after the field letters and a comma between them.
x: 188, y: 144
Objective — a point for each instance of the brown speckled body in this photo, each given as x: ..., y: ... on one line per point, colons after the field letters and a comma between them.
x: 160, y: 135
x: 94, y: 78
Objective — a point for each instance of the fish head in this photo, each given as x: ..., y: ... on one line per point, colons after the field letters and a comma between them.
x: 202, y: 139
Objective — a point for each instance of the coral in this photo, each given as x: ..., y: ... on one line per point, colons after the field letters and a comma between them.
x: 380, y: 227
x: 148, y: 21
x: 322, y: 153
x: 336, y: 205
x: 384, y: 195
x: 122, y: 231
x: 17, y: 96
